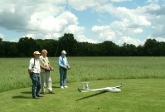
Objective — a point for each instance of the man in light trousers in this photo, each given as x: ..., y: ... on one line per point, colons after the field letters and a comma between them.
x: 46, y: 68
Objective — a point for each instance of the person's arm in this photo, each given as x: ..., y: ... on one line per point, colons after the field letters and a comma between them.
x: 66, y: 63
x: 30, y: 66
x: 45, y: 68
x: 68, y: 66
x: 29, y: 71
x: 60, y: 62
x: 49, y: 64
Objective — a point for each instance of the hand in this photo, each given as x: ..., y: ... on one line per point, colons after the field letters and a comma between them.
x: 47, y: 68
x: 65, y: 67
x: 51, y: 67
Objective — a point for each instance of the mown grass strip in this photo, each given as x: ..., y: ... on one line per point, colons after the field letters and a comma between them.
x: 137, y: 95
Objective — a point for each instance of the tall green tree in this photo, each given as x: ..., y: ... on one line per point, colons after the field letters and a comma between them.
x: 86, y: 49
x: 150, y: 47
x: 128, y: 50
x: 140, y: 50
x: 49, y: 44
x: 161, y: 49
x: 9, y: 49
x: 108, y: 48
x: 68, y: 43
x: 1, y: 48
x: 26, y: 46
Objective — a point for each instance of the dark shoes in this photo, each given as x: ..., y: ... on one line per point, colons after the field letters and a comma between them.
x: 43, y: 93
x: 39, y: 96
x: 36, y: 97
x: 51, y: 92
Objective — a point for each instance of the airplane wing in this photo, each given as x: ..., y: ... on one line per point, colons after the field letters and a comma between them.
x: 88, y: 90
x: 109, y: 89
x: 119, y: 85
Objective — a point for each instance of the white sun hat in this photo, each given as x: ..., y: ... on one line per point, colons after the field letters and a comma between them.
x: 63, y: 52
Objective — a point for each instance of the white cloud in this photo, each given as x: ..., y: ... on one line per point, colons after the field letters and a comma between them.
x: 104, y: 33
x: 132, y: 18
x: 1, y: 36
x: 82, y: 38
x: 129, y: 40
x: 84, y: 4
x: 28, y: 15
x: 120, y: 0
x: 52, y: 24
x: 152, y: 1
x: 160, y: 39
x: 136, y: 21
x: 51, y: 19
x: 40, y: 19
x: 30, y: 36
x: 156, y: 15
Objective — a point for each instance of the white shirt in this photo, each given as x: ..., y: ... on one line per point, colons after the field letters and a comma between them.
x: 34, y: 68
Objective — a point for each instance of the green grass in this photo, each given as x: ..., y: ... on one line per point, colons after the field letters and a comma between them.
x: 142, y: 77
x: 137, y: 95
x: 14, y: 70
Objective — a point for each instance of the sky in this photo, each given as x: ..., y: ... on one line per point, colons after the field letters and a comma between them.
x: 93, y: 21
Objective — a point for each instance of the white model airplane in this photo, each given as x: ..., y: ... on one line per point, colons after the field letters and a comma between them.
x: 114, y: 89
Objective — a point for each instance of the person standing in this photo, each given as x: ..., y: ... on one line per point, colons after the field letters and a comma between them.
x: 34, y: 70
x: 46, y: 81
x: 63, y: 67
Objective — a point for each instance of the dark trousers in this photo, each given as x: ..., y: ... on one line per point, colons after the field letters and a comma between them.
x: 36, y: 84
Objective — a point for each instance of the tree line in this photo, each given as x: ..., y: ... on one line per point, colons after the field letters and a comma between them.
x: 26, y: 46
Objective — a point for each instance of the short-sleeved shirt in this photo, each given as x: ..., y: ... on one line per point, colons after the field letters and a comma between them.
x: 44, y: 61
x: 34, y: 65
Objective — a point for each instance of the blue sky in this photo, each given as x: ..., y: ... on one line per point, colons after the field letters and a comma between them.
x: 94, y: 21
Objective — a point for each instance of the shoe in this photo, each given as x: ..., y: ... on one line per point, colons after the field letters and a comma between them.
x: 39, y: 96
x: 65, y: 86
x: 51, y: 92
x: 43, y: 93
x: 62, y: 87
x: 36, y: 97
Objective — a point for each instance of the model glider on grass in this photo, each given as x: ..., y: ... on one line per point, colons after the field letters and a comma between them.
x: 114, y: 89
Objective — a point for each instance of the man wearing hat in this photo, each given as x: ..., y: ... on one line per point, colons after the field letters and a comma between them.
x: 63, y: 67
x: 34, y: 70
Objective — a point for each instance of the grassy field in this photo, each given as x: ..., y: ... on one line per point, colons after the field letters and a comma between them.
x: 142, y: 78
x: 137, y: 95
x: 14, y: 70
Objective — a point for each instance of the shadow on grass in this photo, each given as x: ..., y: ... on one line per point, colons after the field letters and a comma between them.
x: 21, y: 97
x: 55, y: 87
x: 91, y: 95
x: 27, y: 92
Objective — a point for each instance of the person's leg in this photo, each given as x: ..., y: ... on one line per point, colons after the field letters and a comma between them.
x: 48, y: 81
x: 61, y: 70
x: 43, y: 81
x: 33, y: 88
x: 64, y: 77
x: 34, y: 84
x: 38, y: 86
